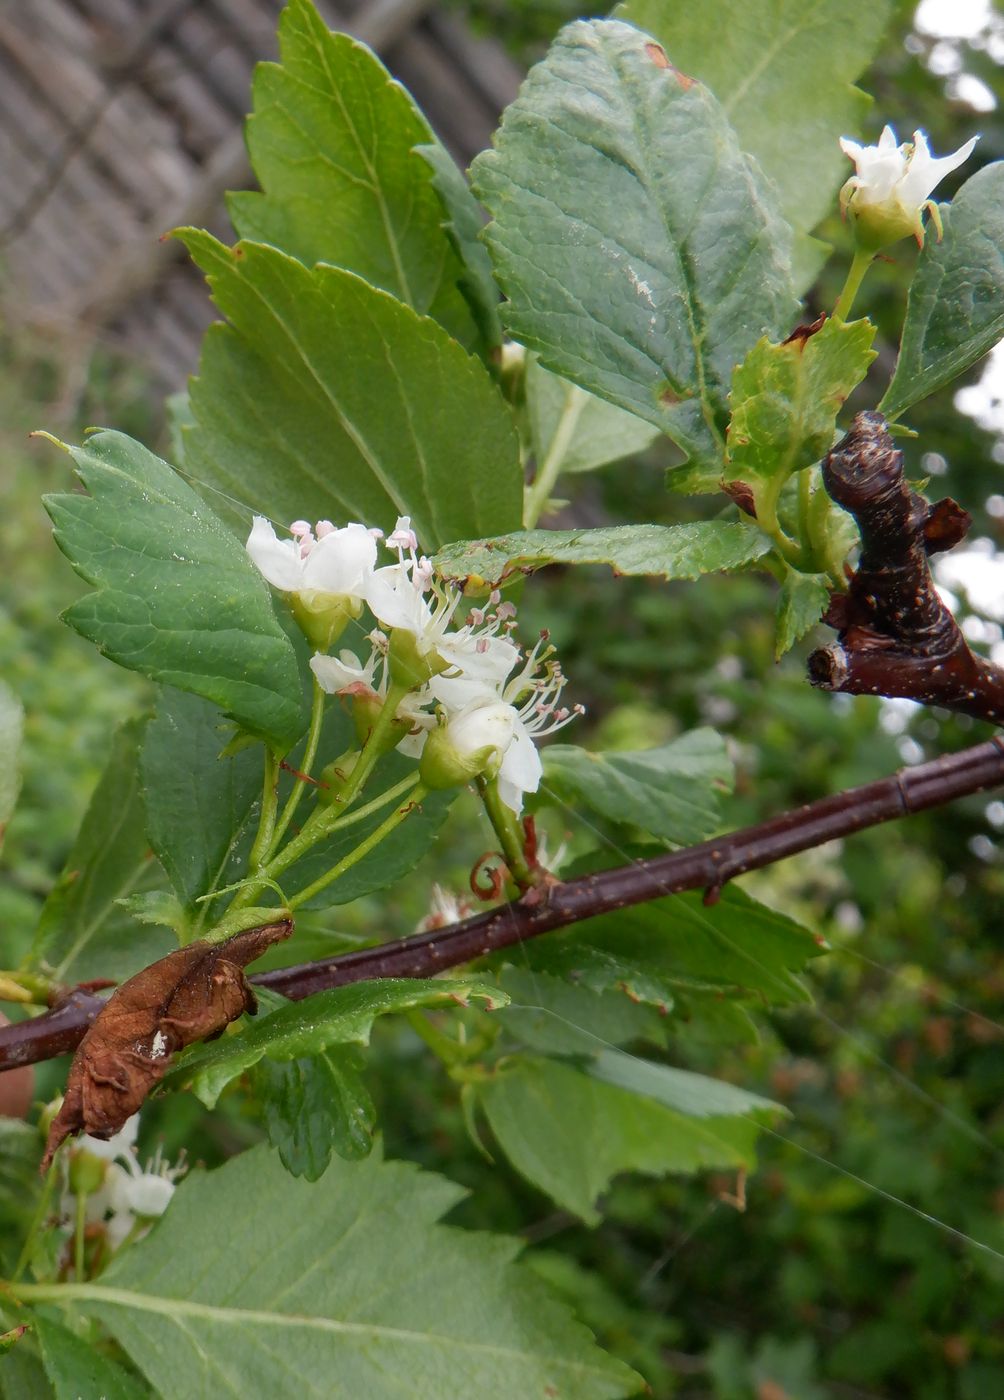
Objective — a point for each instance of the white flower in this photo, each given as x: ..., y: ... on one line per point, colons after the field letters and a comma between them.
x: 347, y: 675
x: 893, y: 186
x: 325, y: 573
x: 144, y: 1192
x: 531, y: 711
x: 120, y: 1145
x: 332, y: 561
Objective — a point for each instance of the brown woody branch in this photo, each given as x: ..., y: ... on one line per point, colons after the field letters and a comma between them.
x: 895, y: 635
x: 707, y: 866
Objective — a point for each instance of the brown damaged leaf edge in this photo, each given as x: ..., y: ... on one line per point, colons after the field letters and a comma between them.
x: 192, y: 994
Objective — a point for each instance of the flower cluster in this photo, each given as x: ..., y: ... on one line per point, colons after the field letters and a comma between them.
x: 121, y: 1195
x: 892, y: 187
x: 467, y: 701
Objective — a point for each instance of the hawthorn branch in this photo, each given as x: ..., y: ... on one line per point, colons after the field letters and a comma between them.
x: 707, y: 866
x: 895, y: 635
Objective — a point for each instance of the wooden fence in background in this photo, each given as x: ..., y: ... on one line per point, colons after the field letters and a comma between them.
x: 120, y: 119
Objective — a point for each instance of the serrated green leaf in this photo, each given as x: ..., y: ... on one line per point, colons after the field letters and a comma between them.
x: 641, y: 251
x: 580, y: 430
x: 198, y: 806
x: 77, y: 1371
x: 325, y: 397
x: 342, y: 1016
x: 463, y: 224
x: 736, y: 946
x: 671, y: 792
x: 570, y: 1134
x: 694, y: 1095
x: 782, y: 70
x: 955, y: 310
x: 669, y: 551
x: 83, y: 930
x: 785, y: 401
x: 558, y: 1017
x: 11, y: 734
x: 177, y: 597
x: 316, y: 1106
x: 351, y: 1280
x: 331, y: 139
x: 801, y: 603
x: 157, y: 907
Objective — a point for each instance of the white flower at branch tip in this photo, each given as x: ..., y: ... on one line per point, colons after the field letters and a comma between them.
x: 121, y: 1145
x: 893, y: 185
x: 324, y: 571
x: 346, y: 675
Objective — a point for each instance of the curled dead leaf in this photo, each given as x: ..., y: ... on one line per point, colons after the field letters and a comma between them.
x: 192, y: 994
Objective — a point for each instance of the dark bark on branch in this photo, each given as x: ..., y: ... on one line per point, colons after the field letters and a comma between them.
x: 707, y: 866
x: 896, y: 636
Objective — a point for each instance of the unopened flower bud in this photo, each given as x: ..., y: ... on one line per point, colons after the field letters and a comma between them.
x: 472, y: 742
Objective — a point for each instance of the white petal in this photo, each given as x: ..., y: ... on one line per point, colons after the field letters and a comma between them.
x: 456, y: 692
x: 337, y: 673
x: 925, y: 172
x: 392, y: 599
x: 487, y: 658
x: 341, y: 561
x: 120, y: 1145
x: 145, y: 1194
x: 484, y: 725
x: 521, y: 769
x: 277, y: 560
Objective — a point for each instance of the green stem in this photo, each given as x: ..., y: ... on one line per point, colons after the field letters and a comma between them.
x: 548, y: 471
x: 40, y: 1215
x: 363, y: 849
x: 444, y: 1047
x: 766, y: 518
x: 80, y: 1225
x: 266, y: 827
x: 323, y: 820
x: 336, y: 821
x: 306, y: 763
x: 860, y: 264
x: 507, y: 829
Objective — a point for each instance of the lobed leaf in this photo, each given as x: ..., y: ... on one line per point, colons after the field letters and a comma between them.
x: 786, y: 398
x: 326, y: 397
x: 84, y: 930
x: 736, y: 946
x: 801, y: 603
x: 177, y: 597
x: 783, y: 71
x: 671, y: 792
x: 669, y: 551
x: 81, y: 1371
x: 641, y: 251
x: 570, y: 1134
x: 332, y: 140
x: 341, y: 1016
x: 198, y: 805
x: 349, y: 1278
x: 955, y: 309
x: 316, y: 1106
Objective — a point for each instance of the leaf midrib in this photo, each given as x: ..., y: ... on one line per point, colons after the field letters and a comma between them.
x: 181, y: 1308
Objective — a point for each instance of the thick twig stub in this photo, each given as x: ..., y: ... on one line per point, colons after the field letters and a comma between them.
x: 895, y: 635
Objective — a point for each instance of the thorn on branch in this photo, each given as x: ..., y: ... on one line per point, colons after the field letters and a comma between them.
x: 895, y: 635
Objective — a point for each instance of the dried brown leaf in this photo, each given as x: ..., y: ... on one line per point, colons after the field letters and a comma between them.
x: 192, y: 994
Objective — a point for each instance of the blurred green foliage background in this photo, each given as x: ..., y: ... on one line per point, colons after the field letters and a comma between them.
x: 869, y: 1259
